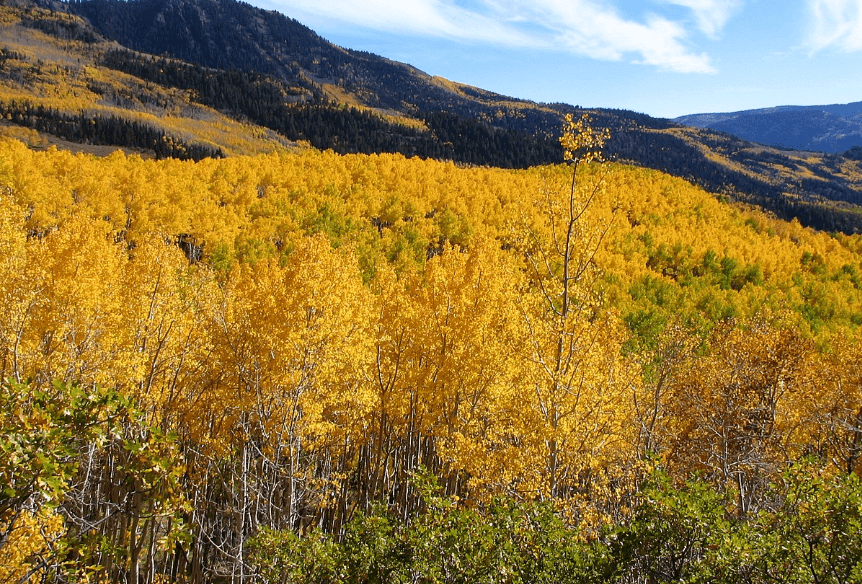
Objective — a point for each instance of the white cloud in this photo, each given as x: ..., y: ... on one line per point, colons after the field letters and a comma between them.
x: 711, y: 15
x: 599, y: 31
x: 432, y: 18
x: 593, y: 28
x: 836, y: 23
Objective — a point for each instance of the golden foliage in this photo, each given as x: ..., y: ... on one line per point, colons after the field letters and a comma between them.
x: 315, y: 328
x: 580, y: 141
x: 32, y: 537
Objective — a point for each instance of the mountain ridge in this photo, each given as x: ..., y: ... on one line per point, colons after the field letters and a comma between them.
x: 841, y: 109
x: 833, y: 128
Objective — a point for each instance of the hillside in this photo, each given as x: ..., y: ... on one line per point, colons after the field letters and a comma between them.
x: 275, y: 359
x: 271, y: 43
x: 52, y: 91
x: 286, y: 86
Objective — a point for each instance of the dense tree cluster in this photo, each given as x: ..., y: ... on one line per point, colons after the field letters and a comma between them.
x: 757, y: 181
x: 804, y: 129
x: 636, y: 138
x: 62, y: 26
x: 376, y: 367
x: 231, y: 34
x: 472, y: 142
x: 269, y: 102
x: 232, y: 90
x: 99, y: 129
x: 264, y: 100
x: 854, y: 153
x: 6, y: 54
x: 216, y: 34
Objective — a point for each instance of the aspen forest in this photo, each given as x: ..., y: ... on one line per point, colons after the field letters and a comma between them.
x: 313, y: 367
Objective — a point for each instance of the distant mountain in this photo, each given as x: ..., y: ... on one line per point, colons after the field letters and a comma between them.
x: 194, y: 78
x: 824, y: 128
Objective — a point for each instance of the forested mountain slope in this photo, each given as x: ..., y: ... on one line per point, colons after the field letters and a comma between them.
x: 286, y: 85
x: 269, y: 42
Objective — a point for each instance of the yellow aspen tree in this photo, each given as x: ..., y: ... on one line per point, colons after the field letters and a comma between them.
x: 17, y: 294
x: 659, y: 359
x: 579, y: 386
x: 167, y: 305
x: 72, y: 329
x: 834, y: 404
x: 294, y: 350
x: 387, y: 458
x: 30, y: 179
x: 736, y: 411
x: 31, y: 538
x: 460, y: 365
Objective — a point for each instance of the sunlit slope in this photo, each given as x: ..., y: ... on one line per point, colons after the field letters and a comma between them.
x: 49, y: 60
x: 670, y: 245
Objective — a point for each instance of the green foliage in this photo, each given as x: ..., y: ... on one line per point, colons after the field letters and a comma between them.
x: 372, y: 551
x: 674, y: 532
x: 817, y: 535
x: 250, y: 250
x: 453, y: 228
x: 646, y: 326
x: 41, y: 434
x: 689, y: 533
x: 286, y: 558
x: 335, y: 225
x: 655, y: 290
x: 44, y: 435
x: 819, y: 304
x: 408, y: 249
x: 813, y: 263
x: 505, y: 541
x: 221, y: 257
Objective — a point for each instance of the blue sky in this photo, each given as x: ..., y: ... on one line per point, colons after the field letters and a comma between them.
x: 665, y: 58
